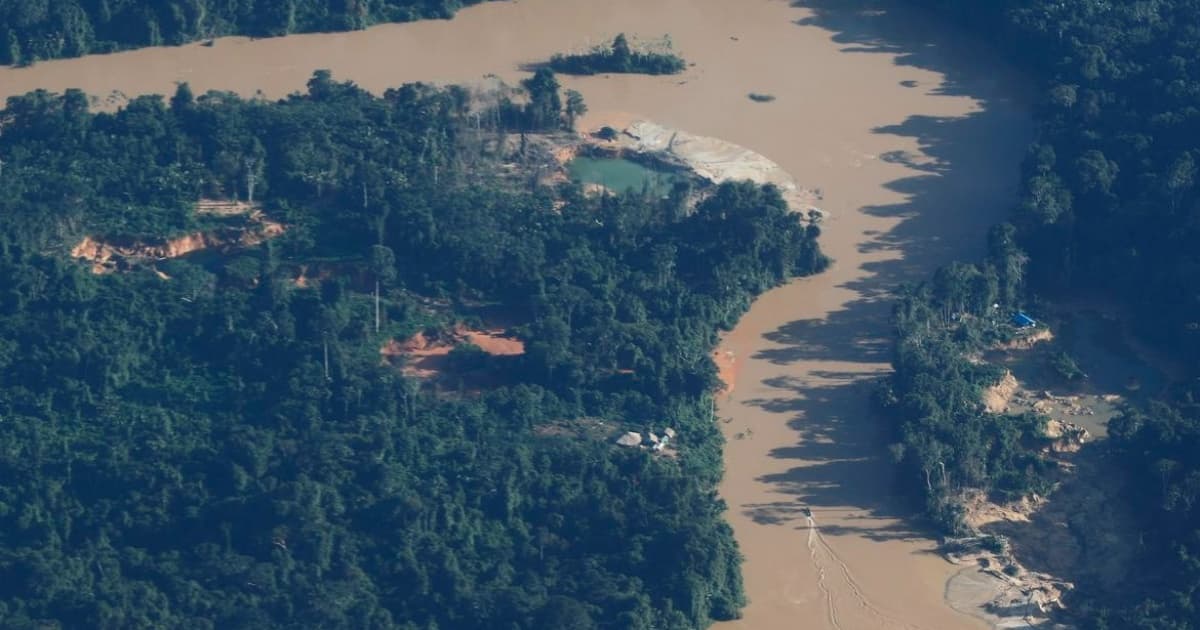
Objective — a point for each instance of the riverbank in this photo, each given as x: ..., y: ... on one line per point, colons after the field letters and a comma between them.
x: 676, y: 153
x: 914, y: 138
x: 712, y: 160
x: 911, y: 197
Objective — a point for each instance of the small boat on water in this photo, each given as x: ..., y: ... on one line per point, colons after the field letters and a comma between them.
x: 806, y: 511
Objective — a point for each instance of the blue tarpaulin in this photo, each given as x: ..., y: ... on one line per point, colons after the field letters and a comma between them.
x: 1023, y: 321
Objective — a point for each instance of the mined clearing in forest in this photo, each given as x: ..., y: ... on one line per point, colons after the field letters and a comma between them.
x: 109, y: 255
x: 1029, y: 553
x: 427, y: 356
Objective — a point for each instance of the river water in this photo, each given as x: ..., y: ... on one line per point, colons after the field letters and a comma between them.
x: 913, y: 136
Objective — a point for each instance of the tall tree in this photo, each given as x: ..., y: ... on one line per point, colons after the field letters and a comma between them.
x: 575, y: 108
x: 544, y: 110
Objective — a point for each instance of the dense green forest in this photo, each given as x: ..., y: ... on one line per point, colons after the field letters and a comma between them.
x: 34, y: 30
x: 944, y: 439
x: 619, y: 57
x: 1109, y: 206
x: 224, y: 449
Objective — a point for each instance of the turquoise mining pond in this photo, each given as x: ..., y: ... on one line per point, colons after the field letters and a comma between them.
x: 621, y: 175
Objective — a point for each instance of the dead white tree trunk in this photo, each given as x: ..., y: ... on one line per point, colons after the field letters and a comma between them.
x: 251, y: 179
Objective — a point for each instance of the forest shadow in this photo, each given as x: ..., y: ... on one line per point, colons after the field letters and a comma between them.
x: 916, y: 37
x: 960, y: 181
x: 1087, y: 532
x: 838, y: 460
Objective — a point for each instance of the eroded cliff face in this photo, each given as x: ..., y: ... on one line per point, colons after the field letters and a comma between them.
x: 108, y: 256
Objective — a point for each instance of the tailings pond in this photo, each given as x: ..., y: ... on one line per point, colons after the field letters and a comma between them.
x: 621, y: 175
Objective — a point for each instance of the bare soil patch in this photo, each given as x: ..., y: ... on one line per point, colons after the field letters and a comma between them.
x: 996, y: 397
x: 727, y: 370
x: 1028, y: 340
x: 107, y: 256
x: 426, y: 355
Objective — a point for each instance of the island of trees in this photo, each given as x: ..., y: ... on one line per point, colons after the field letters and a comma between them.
x: 33, y: 30
x: 1109, y: 204
x: 209, y: 442
x: 620, y: 57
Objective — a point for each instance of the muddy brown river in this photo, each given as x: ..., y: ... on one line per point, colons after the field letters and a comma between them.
x: 912, y: 134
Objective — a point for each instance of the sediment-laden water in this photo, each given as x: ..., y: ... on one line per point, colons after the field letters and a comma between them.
x: 913, y: 137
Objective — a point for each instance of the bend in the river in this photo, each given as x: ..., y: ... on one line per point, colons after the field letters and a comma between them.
x: 914, y: 137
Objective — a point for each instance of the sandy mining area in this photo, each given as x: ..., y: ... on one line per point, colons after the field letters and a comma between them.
x: 1079, y: 530
x: 712, y: 159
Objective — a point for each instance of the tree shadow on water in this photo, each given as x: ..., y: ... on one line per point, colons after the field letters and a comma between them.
x: 917, y: 38
x: 961, y: 180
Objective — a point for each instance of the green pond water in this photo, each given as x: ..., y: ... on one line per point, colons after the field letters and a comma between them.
x: 620, y: 175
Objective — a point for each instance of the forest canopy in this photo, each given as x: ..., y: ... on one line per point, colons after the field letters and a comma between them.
x: 34, y: 30
x: 206, y: 442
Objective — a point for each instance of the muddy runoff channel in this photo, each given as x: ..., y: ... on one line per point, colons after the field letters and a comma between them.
x: 912, y: 135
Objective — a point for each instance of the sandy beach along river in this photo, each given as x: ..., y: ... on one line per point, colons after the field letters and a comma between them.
x: 912, y: 134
